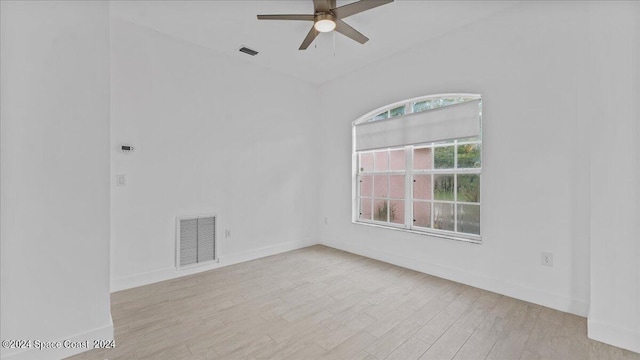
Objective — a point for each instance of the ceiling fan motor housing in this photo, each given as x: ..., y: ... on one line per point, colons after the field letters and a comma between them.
x: 324, y: 22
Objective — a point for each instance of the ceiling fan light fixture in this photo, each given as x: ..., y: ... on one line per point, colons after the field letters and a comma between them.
x: 327, y: 17
x: 324, y: 23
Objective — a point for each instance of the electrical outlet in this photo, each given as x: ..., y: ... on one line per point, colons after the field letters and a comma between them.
x: 546, y: 259
x: 227, y: 233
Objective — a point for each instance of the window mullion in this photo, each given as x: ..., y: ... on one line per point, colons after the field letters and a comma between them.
x: 388, y: 199
x: 358, y: 195
x: 455, y: 200
x: 433, y: 199
x: 372, y: 202
x: 455, y: 186
x: 358, y: 190
x: 408, y: 187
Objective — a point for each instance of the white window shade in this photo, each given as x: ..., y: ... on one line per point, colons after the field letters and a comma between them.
x: 445, y: 123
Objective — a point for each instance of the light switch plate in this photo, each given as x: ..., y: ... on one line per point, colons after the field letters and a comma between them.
x: 121, y: 180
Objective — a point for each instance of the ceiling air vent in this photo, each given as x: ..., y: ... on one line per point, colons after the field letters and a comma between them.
x: 246, y: 50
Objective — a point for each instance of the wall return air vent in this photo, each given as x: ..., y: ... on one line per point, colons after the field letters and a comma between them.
x: 196, y: 241
x: 246, y: 50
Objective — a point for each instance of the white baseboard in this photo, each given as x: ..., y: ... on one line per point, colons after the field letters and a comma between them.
x: 103, y: 333
x: 623, y: 338
x: 536, y: 296
x: 223, y: 260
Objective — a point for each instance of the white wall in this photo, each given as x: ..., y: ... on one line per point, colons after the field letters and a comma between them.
x: 55, y: 173
x: 216, y: 134
x: 529, y: 64
x: 560, y: 166
x: 614, y: 315
x: 213, y: 134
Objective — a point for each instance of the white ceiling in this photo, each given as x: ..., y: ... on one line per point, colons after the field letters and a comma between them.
x: 225, y: 26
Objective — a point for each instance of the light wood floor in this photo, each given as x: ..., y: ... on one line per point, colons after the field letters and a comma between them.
x: 319, y: 302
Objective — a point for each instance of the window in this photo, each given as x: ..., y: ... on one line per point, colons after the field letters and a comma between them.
x: 429, y: 187
x: 382, y: 186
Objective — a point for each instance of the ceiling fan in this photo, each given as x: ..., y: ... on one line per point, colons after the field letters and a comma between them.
x: 327, y: 17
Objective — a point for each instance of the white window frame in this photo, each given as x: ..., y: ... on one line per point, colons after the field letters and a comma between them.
x: 409, y: 174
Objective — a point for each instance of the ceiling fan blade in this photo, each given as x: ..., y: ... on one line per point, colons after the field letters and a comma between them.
x: 346, y: 30
x: 358, y: 7
x: 321, y: 6
x: 313, y: 33
x: 302, y: 17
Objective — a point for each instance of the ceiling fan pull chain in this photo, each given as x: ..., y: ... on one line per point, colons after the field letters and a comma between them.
x: 334, y: 44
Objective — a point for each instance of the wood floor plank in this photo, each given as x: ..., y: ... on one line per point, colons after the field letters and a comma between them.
x: 300, y: 329
x: 294, y: 344
x: 242, y: 346
x: 446, y: 347
x: 512, y: 343
x: 427, y: 312
x: 390, y: 341
x: 437, y: 326
x: 389, y: 321
x: 345, y: 331
x: 543, y: 339
x: 483, y: 339
x: 478, y: 311
x: 351, y: 347
x: 409, y: 350
x: 336, y: 305
x: 310, y: 352
x: 363, y: 355
x: 572, y: 340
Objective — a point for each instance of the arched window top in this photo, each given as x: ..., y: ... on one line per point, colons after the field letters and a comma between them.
x: 419, y: 120
x: 415, y: 105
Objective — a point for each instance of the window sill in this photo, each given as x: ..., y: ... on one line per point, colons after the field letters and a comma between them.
x: 474, y: 239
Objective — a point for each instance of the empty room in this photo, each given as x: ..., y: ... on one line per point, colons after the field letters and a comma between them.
x: 320, y: 179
